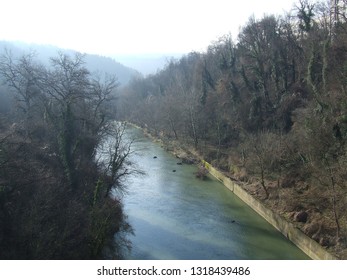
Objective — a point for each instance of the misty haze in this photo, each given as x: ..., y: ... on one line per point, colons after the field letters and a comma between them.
x: 159, y: 136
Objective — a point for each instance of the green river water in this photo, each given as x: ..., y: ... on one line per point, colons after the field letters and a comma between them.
x: 174, y: 215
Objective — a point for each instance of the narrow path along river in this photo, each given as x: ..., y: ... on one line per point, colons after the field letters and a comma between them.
x: 177, y: 216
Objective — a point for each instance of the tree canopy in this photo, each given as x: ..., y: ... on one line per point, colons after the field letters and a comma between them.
x: 269, y: 105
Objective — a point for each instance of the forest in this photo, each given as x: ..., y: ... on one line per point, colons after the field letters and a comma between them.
x: 269, y: 109
x: 62, y: 161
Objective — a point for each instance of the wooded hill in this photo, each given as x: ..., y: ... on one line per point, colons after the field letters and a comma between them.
x: 62, y: 160
x: 94, y: 63
x: 269, y: 109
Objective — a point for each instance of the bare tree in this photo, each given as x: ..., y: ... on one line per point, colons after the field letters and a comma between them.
x: 114, y: 159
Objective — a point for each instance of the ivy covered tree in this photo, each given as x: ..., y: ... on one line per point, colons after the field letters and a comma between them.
x: 269, y: 109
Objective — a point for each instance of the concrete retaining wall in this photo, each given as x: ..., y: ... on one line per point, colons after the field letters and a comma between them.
x: 302, y: 241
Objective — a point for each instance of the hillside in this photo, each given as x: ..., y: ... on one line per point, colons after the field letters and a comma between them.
x: 94, y: 63
x: 57, y: 172
x: 269, y: 110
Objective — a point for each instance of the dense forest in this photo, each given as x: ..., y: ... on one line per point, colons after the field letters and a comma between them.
x: 269, y: 109
x: 62, y: 161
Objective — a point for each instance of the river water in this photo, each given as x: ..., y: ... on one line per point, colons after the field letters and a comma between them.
x: 174, y: 215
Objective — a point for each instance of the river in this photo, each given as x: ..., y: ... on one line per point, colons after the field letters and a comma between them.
x: 174, y: 215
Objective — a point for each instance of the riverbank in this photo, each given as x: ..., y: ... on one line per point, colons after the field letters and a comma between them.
x: 175, y: 215
x: 281, y: 220
x: 309, y: 246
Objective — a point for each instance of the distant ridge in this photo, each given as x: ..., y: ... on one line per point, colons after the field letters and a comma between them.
x: 147, y: 64
x: 94, y: 63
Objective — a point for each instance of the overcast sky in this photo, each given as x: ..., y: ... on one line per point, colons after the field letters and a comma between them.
x: 111, y: 27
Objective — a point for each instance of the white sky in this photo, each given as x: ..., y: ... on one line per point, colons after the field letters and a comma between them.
x: 110, y: 27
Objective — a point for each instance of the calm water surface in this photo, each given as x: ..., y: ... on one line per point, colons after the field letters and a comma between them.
x: 177, y: 216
